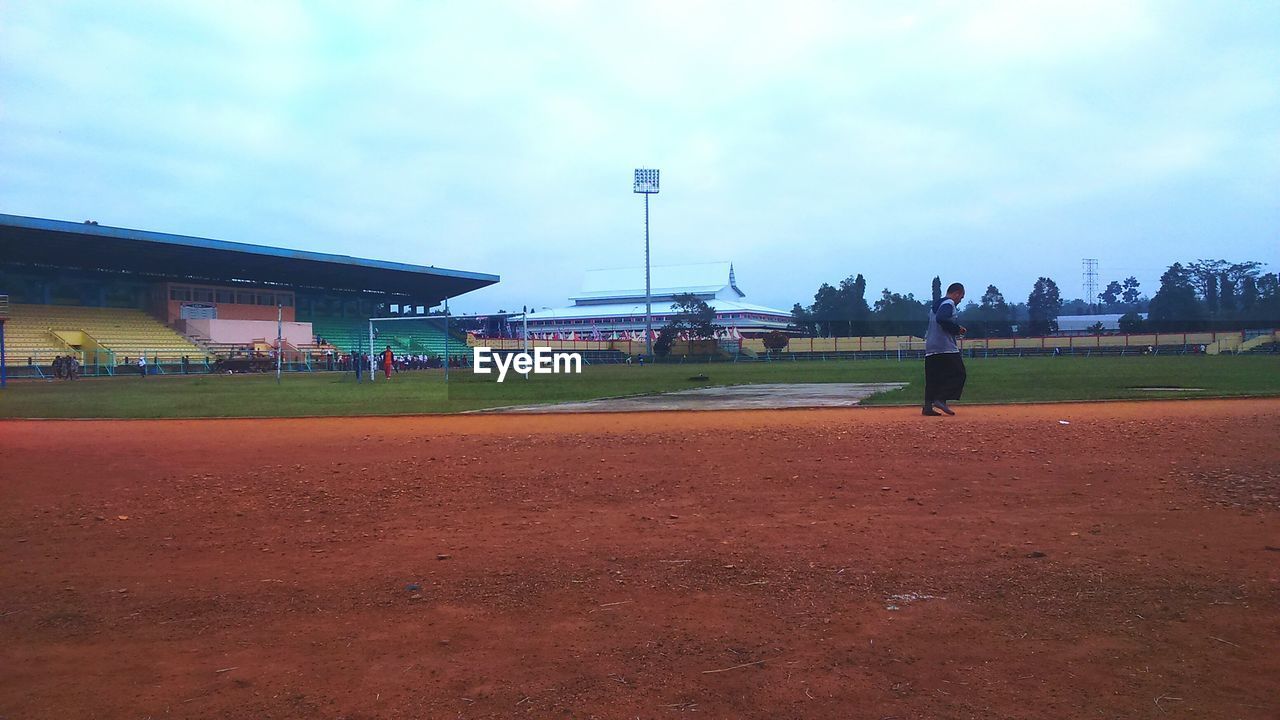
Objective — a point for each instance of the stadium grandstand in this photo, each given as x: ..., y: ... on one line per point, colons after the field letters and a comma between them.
x: 107, y: 296
x: 611, y: 305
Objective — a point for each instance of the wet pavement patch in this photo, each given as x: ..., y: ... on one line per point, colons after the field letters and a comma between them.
x: 733, y: 397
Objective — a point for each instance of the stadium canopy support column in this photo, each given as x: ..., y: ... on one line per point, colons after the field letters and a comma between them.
x: 4, y: 373
x: 446, y: 340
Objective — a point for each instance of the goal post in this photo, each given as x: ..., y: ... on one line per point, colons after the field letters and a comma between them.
x: 910, y: 349
x: 417, y: 342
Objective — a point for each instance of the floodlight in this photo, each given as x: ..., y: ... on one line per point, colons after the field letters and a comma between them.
x: 646, y: 182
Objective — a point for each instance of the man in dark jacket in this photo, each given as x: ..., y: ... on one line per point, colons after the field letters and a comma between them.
x: 944, y: 372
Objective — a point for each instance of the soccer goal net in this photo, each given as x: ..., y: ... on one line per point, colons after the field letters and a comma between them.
x: 416, y: 342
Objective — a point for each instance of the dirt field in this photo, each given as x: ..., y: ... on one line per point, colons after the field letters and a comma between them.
x: 864, y: 563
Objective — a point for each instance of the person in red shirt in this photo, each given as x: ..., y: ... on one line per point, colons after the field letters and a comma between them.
x: 387, y: 358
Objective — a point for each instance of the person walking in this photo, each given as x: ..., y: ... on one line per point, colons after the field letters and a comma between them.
x: 142, y: 365
x: 944, y: 373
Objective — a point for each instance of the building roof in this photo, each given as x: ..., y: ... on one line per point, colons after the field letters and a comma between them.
x: 619, y: 283
x: 631, y: 309
x: 82, y: 246
x: 1080, y: 323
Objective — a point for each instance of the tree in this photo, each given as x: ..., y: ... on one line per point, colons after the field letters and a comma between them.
x: 1268, y: 287
x: 1203, y: 272
x: 802, y: 320
x: 991, y: 318
x: 1248, y: 296
x: 1095, y: 329
x: 666, y: 336
x: 1131, y: 292
x: 826, y: 310
x: 1211, y: 294
x: 694, y: 319
x: 1268, y: 306
x: 1131, y: 323
x: 900, y: 314
x: 1043, y: 306
x: 776, y: 341
x: 1078, y: 306
x: 1174, y: 306
x: 937, y: 290
x: 1111, y: 295
x: 853, y: 304
x: 840, y: 311
x: 1226, y: 294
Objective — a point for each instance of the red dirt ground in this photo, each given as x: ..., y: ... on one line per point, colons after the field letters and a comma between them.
x: 864, y: 563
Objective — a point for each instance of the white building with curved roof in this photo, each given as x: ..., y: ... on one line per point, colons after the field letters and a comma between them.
x: 611, y: 303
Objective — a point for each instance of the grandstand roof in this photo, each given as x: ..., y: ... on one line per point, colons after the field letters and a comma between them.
x: 83, y: 246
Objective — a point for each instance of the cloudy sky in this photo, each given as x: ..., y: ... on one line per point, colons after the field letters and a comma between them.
x: 986, y: 142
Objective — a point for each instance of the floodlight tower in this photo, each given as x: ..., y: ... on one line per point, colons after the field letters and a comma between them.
x: 647, y: 184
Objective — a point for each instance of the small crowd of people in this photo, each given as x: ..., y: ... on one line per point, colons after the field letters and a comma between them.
x: 400, y: 363
x: 66, y: 367
x: 388, y: 362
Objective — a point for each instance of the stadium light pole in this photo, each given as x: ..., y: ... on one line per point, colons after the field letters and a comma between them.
x: 646, y: 183
x: 279, y: 339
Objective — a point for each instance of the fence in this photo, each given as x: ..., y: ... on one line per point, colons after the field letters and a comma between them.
x: 888, y: 345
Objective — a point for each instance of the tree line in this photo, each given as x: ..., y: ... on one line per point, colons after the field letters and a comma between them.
x: 1215, y: 294
x: 1200, y: 295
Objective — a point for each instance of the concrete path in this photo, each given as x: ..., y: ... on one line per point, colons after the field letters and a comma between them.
x: 735, y: 397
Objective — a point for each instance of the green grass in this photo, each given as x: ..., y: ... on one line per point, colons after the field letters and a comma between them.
x: 990, y: 381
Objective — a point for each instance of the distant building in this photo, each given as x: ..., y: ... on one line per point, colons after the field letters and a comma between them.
x: 611, y: 304
x: 1080, y: 324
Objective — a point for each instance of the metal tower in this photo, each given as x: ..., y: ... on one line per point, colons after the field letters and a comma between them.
x: 1089, y: 277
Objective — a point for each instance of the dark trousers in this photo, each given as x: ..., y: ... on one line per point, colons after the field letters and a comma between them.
x: 944, y: 377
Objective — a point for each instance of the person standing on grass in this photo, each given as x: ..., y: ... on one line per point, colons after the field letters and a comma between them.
x: 944, y: 372
x: 142, y: 365
x: 388, y: 358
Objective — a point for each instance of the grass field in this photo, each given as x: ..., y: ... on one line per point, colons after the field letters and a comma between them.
x: 990, y: 381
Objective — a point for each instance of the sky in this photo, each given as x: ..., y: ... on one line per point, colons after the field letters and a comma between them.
x: 984, y: 142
